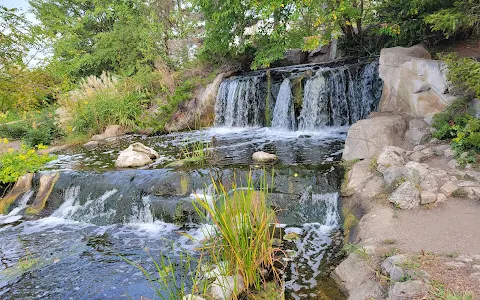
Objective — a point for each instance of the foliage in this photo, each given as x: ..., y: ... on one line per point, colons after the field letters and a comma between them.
x: 463, y: 16
x: 171, y: 276
x: 26, y: 89
x: 89, y: 37
x: 464, y: 73
x: 456, y: 122
x: 108, y: 99
x: 33, y: 128
x: 15, y: 130
x: 17, y: 35
x: 14, y: 164
x: 244, y: 230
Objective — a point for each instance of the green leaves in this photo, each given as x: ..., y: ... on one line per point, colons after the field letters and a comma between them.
x: 14, y: 164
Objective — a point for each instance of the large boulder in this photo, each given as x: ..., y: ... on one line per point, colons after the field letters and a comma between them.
x: 199, y: 111
x: 413, y: 82
x: 368, y: 137
x: 136, y: 155
x: 356, y: 279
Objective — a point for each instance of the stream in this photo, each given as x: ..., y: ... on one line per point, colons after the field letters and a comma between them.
x: 97, y: 215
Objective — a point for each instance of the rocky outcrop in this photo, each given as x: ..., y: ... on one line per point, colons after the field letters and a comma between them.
x: 413, y: 83
x: 23, y: 185
x: 110, y: 132
x: 47, y: 182
x: 200, y: 110
x: 368, y: 137
x: 136, y: 155
x: 357, y: 279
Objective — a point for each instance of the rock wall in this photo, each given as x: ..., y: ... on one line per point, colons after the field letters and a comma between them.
x: 413, y: 83
x: 200, y: 110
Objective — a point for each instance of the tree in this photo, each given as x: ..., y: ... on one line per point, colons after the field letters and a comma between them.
x: 89, y: 37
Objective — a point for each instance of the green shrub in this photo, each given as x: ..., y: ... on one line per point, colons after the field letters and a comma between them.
x: 14, y: 164
x: 93, y: 114
x: 14, y: 131
x: 464, y: 73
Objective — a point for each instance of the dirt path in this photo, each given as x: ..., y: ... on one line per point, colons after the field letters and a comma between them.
x: 452, y: 227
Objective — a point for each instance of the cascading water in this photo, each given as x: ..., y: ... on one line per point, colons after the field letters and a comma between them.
x: 284, y: 114
x: 96, y: 212
x: 330, y: 96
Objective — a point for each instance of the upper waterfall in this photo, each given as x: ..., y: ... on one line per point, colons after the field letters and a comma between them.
x: 307, y: 98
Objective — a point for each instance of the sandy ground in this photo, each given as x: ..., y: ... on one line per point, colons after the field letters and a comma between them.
x: 453, y: 226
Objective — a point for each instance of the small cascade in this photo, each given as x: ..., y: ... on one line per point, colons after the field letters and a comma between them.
x: 284, y: 114
x: 308, y: 264
x: 330, y: 96
x: 239, y: 103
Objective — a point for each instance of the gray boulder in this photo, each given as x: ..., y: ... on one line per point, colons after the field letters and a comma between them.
x: 390, y: 156
x: 413, y: 83
x: 408, y: 290
x: 418, y: 132
x: 406, y: 196
x: 367, y: 138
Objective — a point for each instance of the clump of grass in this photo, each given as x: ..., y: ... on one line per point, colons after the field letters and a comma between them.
x: 459, y: 193
x: 389, y: 241
x: 439, y: 292
x: 244, y: 225
x: 353, y: 248
x: 27, y: 261
x: 195, y: 152
x: 172, y: 278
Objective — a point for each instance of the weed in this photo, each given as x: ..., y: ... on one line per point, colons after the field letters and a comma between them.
x: 195, y: 152
x: 459, y: 193
x: 438, y: 291
x: 353, y: 248
x: 453, y: 254
x: 27, y: 261
x: 389, y: 241
x: 244, y: 231
x: 172, y: 278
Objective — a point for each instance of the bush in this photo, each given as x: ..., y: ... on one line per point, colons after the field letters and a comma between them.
x: 37, y: 127
x: 14, y: 131
x: 464, y: 73
x: 14, y: 164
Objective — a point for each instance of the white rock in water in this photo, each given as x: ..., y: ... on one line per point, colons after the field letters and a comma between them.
x: 192, y: 297
x: 224, y: 287
x: 129, y: 159
x: 139, y: 147
x: 261, y: 156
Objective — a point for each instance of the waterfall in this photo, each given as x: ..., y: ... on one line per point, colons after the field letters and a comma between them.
x: 332, y: 96
x: 239, y: 103
x: 283, y: 114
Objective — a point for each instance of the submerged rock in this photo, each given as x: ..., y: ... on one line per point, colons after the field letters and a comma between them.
x: 262, y: 156
x: 136, y: 155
